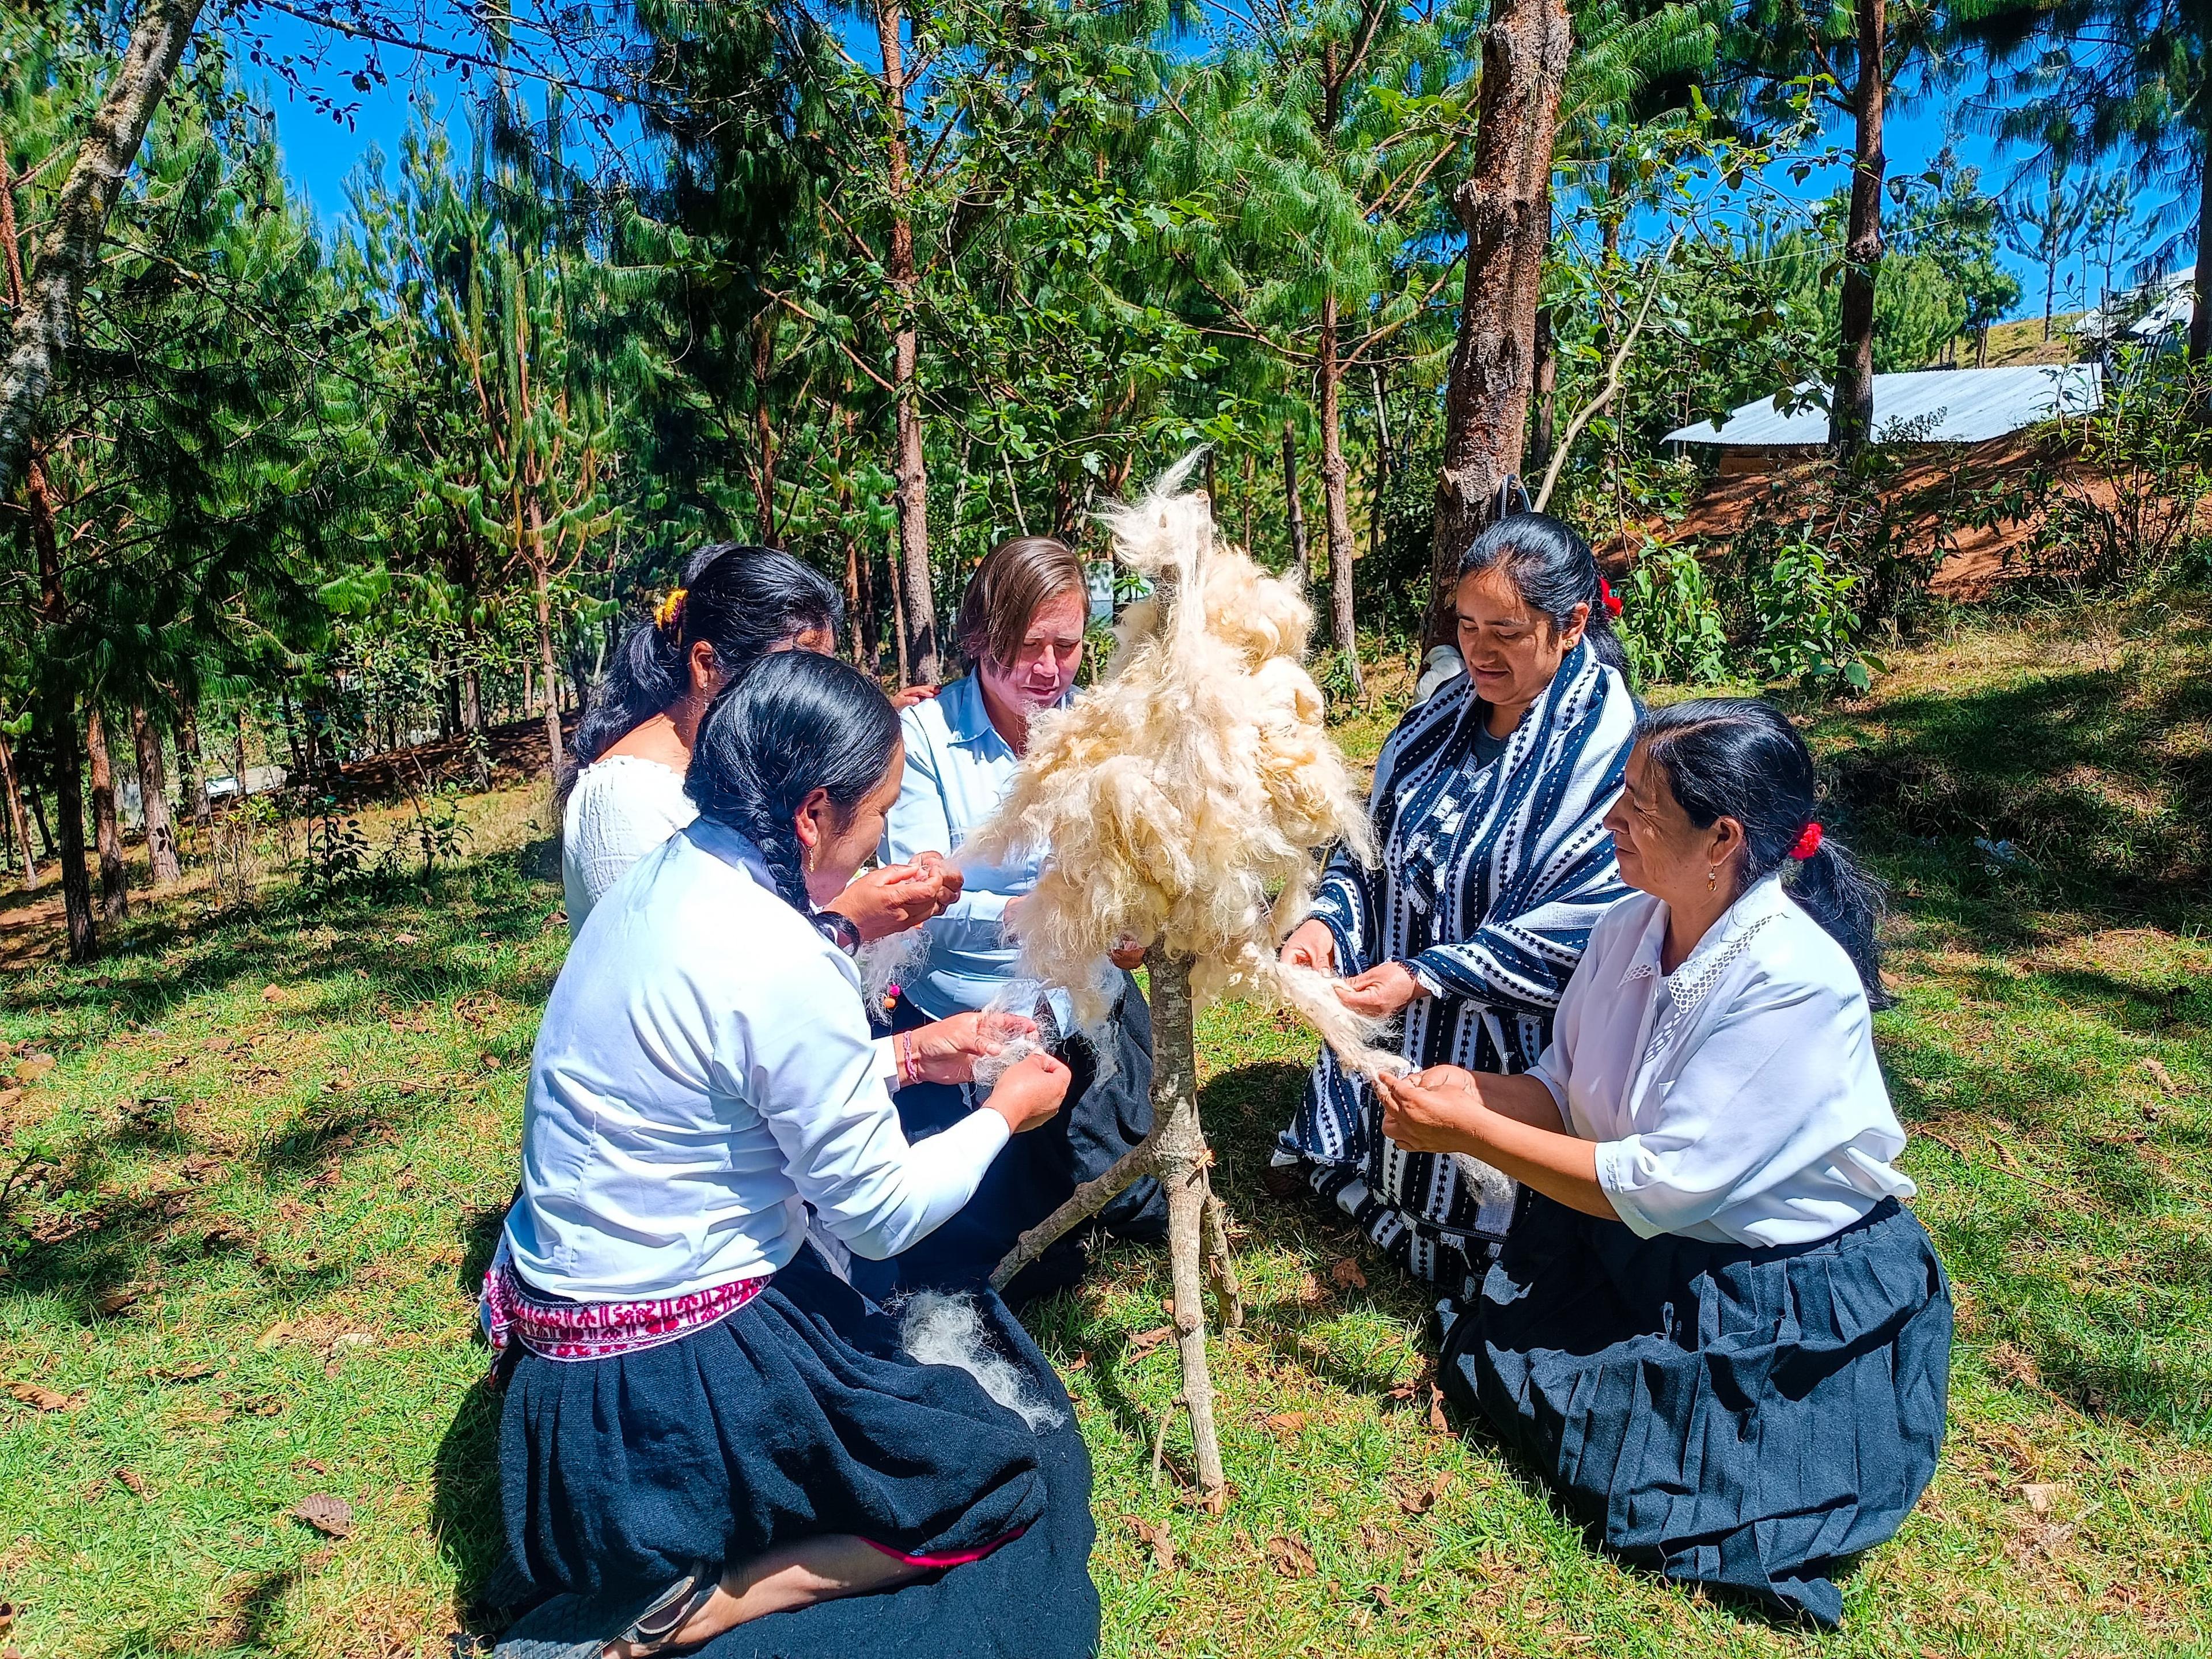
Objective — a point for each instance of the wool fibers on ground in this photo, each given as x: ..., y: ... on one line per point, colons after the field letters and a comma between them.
x: 942, y: 1329
x: 1186, y: 797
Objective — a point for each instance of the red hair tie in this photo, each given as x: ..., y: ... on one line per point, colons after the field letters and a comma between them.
x: 1605, y: 597
x: 1808, y: 843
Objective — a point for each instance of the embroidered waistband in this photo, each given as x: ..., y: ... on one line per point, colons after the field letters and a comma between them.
x: 555, y: 1328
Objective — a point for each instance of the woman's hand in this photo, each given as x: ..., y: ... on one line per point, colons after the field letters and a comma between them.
x: 1030, y: 1092
x: 1128, y: 955
x: 1380, y: 991
x: 1438, y: 1110
x: 947, y: 1051
x: 1311, y: 946
x: 907, y: 697
x: 897, y: 896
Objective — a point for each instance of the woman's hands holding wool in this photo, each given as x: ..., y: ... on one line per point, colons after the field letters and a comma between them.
x: 1438, y: 1110
x: 897, y: 896
x: 946, y: 1052
x: 909, y: 695
x: 1380, y: 991
x: 1310, y: 946
x: 1128, y: 955
x: 1030, y: 1092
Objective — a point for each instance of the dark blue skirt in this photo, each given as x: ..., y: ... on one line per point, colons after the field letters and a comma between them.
x: 799, y: 1415
x: 1746, y: 1418
x: 1034, y: 1172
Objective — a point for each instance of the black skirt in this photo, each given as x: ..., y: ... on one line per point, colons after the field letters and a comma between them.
x: 1034, y: 1172
x: 1746, y: 1418
x: 799, y: 1416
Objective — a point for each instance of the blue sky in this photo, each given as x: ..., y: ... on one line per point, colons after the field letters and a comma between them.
x: 320, y: 153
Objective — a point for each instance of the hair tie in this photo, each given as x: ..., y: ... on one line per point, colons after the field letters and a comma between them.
x: 1808, y: 843
x: 668, y: 615
x: 1605, y: 596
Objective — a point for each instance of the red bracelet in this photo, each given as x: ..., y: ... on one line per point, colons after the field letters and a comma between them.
x: 902, y: 1057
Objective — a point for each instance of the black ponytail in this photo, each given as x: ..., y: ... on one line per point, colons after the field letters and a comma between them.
x: 744, y: 601
x: 1738, y: 758
x: 797, y: 723
x: 1553, y: 570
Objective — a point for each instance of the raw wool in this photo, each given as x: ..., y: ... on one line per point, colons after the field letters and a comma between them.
x: 1184, y: 798
x: 884, y: 962
x: 941, y: 1329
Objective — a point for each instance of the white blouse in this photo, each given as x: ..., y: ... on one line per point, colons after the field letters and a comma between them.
x: 704, y: 1073
x: 619, y: 809
x: 1737, y: 1099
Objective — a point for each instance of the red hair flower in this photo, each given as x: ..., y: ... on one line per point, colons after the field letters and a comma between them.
x: 1605, y: 597
x: 1808, y: 843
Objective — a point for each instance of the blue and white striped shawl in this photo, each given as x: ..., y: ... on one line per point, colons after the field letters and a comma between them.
x: 1492, y: 879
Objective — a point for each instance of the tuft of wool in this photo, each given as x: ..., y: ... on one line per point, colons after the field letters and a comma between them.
x: 1185, y: 797
x: 938, y: 1328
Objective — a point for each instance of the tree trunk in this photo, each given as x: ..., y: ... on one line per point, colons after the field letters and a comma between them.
x: 39, y: 817
x: 853, y: 599
x: 1547, y: 388
x: 1198, y: 1246
x: 2200, y: 323
x: 192, y: 768
x: 114, y: 897
x: 20, y: 829
x: 1385, y: 463
x: 68, y: 801
x: 38, y: 338
x: 1506, y: 203
x: 898, y: 621
x: 1298, y: 549
x: 154, y: 800
x: 1851, y: 410
x: 1336, y: 506
x: 764, y: 428
x: 291, y: 735
x: 542, y: 586
x: 920, y: 625
x: 58, y: 714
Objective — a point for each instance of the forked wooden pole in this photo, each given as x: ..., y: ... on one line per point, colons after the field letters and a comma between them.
x: 1176, y: 1151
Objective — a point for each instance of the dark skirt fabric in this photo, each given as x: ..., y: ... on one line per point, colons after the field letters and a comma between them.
x: 799, y: 1416
x: 1034, y: 1172
x: 1745, y: 1418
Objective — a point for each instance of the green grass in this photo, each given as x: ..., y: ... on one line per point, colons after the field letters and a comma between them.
x: 298, y: 1191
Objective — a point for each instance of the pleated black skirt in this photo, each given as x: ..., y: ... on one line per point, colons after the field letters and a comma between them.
x: 1109, y: 1110
x: 799, y: 1416
x: 1740, y: 1418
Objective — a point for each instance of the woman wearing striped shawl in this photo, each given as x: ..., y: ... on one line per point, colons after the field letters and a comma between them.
x: 1495, y: 866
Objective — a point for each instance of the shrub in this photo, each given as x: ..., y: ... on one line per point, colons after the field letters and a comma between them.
x: 1670, y: 624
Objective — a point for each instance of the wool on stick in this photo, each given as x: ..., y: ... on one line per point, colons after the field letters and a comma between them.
x: 1185, y: 797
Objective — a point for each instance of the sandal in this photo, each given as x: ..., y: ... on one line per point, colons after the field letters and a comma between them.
x: 670, y: 1610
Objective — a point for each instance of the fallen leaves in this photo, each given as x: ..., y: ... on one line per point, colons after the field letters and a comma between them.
x: 1423, y: 1498
x: 46, y: 1400
x: 1145, y: 1341
x: 1289, y: 1557
x: 2165, y: 1079
x: 1160, y: 1536
x: 1346, y: 1275
x: 2039, y: 1497
x: 32, y: 1067
x: 332, y: 1516
x: 272, y: 993
x: 115, y: 1302
x: 274, y: 1335
x: 1285, y: 1425
x: 136, y: 1484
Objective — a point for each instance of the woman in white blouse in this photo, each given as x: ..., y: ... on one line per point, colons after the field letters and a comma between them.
x: 1021, y: 629
x: 734, y: 605
x: 704, y: 1424
x: 1714, y: 1328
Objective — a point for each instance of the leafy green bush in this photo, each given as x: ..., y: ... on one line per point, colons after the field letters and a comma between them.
x: 1670, y: 625
x: 1807, y: 625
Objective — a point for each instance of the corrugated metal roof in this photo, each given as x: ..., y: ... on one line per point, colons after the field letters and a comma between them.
x: 2146, y: 314
x: 1935, y: 406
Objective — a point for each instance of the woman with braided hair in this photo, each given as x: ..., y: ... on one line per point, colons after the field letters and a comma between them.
x: 705, y: 1426
x: 1714, y: 1330
x: 734, y: 607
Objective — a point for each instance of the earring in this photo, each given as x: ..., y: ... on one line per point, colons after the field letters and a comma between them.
x: 810, y: 860
x: 1712, y: 878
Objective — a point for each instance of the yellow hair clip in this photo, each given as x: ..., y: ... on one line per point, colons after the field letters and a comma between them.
x: 668, y: 616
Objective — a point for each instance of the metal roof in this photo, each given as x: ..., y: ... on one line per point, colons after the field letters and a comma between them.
x: 2146, y: 314
x: 1934, y: 405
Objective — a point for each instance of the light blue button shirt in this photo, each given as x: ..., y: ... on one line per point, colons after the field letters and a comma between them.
x: 957, y: 769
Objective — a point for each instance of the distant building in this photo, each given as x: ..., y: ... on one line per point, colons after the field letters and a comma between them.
x: 1928, y: 406
x: 2153, y: 316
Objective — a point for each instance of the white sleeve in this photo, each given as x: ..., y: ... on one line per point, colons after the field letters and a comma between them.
x: 1779, y: 1085
x: 805, y: 1060
x: 612, y: 828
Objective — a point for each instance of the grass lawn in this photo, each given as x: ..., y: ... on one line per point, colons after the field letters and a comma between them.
x: 253, y: 1164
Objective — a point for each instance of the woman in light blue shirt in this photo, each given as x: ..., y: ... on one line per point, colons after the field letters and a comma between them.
x: 1020, y: 628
